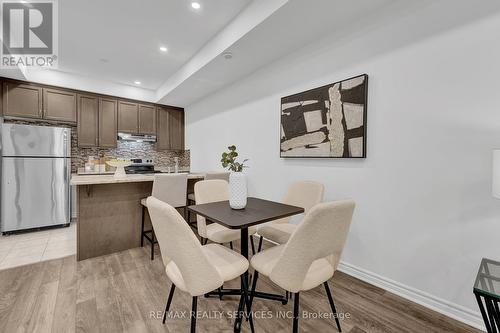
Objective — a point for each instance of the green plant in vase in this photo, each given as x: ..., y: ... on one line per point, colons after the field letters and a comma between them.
x: 228, y: 160
x: 237, y: 179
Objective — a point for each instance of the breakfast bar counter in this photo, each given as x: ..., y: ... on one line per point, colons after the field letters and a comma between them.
x: 110, y: 211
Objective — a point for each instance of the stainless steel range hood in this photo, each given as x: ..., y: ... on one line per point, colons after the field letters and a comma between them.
x: 136, y: 137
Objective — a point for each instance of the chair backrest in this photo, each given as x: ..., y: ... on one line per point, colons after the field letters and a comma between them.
x: 217, y: 175
x: 305, y: 194
x: 178, y: 243
x: 171, y: 188
x: 206, y: 191
x: 321, y: 234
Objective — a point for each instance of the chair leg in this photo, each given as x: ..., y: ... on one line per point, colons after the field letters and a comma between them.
x: 296, y: 313
x: 253, y: 244
x: 332, y: 305
x: 152, y: 245
x: 231, y: 245
x: 142, y: 226
x: 254, y: 285
x: 260, y: 244
x: 169, y: 301
x: 247, y: 302
x: 193, y: 314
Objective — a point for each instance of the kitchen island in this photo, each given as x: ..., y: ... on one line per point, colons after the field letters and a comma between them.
x: 110, y: 212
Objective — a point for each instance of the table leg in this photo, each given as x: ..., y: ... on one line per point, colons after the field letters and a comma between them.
x: 483, y: 313
x: 244, y: 281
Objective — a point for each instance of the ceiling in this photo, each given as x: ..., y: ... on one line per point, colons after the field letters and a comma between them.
x: 107, y: 45
x: 118, y: 41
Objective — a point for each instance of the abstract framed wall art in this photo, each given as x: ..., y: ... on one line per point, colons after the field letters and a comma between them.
x: 328, y: 121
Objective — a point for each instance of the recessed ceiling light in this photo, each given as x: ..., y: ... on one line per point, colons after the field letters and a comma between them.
x: 163, y: 49
x: 137, y: 82
x: 195, y: 5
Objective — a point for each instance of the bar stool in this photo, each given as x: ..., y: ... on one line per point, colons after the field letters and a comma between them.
x: 169, y: 188
x: 208, y: 176
x: 311, y: 255
x: 191, y: 267
x: 305, y: 194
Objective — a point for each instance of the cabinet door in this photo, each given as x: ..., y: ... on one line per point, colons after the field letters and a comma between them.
x: 147, y: 119
x: 162, y: 136
x: 108, y: 112
x: 128, y: 117
x: 176, y: 129
x: 88, y: 120
x: 59, y: 105
x: 22, y: 100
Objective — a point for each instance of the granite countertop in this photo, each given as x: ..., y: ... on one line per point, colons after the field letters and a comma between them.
x: 110, y: 179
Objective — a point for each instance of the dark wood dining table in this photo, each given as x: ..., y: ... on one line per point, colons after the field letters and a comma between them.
x: 257, y: 211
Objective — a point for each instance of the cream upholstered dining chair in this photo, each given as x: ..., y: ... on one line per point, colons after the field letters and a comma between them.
x: 303, y: 194
x: 169, y: 188
x: 311, y: 255
x: 208, y: 176
x: 207, y: 191
x: 191, y: 267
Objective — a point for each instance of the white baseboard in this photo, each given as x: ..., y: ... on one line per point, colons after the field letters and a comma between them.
x: 437, y: 304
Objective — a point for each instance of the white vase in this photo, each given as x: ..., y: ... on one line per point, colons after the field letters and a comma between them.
x: 237, y: 190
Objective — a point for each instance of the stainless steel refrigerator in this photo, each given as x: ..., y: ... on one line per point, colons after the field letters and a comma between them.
x: 35, y: 175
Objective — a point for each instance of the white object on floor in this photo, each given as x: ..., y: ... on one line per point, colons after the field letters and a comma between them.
x: 36, y: 246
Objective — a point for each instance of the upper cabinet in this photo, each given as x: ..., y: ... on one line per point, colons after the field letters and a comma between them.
x: 170, y: 125
x: 31, y: 101
x: 136, y: 118
x: 162, y: 136
x: 98, y: 118
x: 59, y: 105
x: 22, y: 100
x: 147, y: 119
x: 108, y: 115
x: 128, y: 117
x: 88, y: 121
x: 176, y: 129
x: 97, y: 121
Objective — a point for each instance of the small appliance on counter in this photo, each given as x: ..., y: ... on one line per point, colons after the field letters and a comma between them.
x: 35, y: 175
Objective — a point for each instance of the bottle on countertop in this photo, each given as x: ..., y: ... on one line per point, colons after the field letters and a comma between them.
x: 176, y: 168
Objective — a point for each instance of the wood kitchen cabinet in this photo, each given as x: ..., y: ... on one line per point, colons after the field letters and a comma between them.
x: 59, y: 105
x: 147, y: 119
x: 128, y: 117
x: 176, y: 129
x: 88, y: 120
x: 22, y: 100
x: 108, y: 120
x: 170, y: 129
x: 162, y: 135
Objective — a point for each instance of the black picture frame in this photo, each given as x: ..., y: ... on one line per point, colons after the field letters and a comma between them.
x: 322, y: 91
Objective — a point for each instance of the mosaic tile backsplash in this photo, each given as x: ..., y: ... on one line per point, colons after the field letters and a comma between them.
x: 124, y: 149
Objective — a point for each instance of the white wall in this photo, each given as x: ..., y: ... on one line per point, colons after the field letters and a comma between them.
x: 425, y: 216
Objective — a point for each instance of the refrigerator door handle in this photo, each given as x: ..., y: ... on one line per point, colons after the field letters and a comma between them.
x: 67, y: 177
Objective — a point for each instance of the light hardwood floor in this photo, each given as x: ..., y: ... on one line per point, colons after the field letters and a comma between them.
x: 123, y: 292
